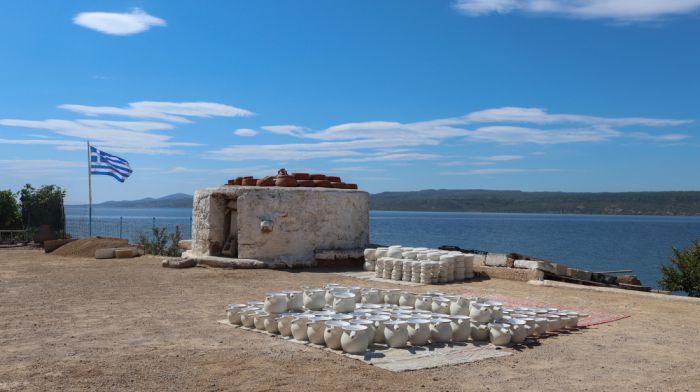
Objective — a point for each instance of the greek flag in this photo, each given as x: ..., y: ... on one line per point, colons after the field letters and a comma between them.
x: 109, y: 165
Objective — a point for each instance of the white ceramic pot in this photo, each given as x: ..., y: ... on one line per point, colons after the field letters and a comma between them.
x: 440, y: 330
x: 461, y: 328
x: 479, y: 331
x: 369, y: 259
x: 563, y: 319
x: 424, y: 302
x: 480, y: 312
x: 333, y: 333
x: 271, y: 323
x: 540, y: 312
x: 379, y: 321
x: 284, y: 323
x: 247, y: 317
x: 517, y: 330
x: 358, y: 293
x: 496, y: 311
x: 441, y: 305
x: 418, y: 331
x: 233, y: 312
x: 499, y: 334
x: 342, y: 316
x: 396, y: 333
x: 407, y: 299
x: 259, y: 319
x: 332, y: 290
x: 299, y: 328
x: 315, y: 328
x: 256, y: 304
x: 573, y: 320
x: 529, y: 326
x: 552, y: 323
x: 391, y: 296
x: 275, y: 303
x: 354, y: 339
x: 459, y: 306
x: 370, y: 297
x: 369, y: 331
x: 344, y: 302
x: 540, y: 326
x: 314, y: 299
x: 295, y: 299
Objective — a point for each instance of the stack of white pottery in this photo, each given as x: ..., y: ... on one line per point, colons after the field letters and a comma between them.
x: 444, y: 268
x: 369, y: 259
x: 407, y: 270
x: 388, y: 268
x: 379, y: 267
x: 449, y: 261
x: 468, y: 266
x: 397, y: 272
x: 426, y: 272
x: 459, y: 265
x: 416, y: 271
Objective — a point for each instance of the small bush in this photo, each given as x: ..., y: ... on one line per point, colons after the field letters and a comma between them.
x: 683, y: 274
x: 165, y: 244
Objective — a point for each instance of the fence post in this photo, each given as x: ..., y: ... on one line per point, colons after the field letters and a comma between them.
x: 121, y: 221
x: 153, y: 234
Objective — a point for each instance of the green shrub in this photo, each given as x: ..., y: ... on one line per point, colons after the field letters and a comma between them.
x: 683, y: 274
x: 165, y: 244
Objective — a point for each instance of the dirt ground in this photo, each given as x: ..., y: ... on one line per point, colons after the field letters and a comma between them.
x: 73, y: 324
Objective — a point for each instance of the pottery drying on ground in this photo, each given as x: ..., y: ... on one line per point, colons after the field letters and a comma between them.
x: 314, y: 299
x: 333, y: 333
x: 379, y: 321
x: 354, y: 339
x: 517, y: 330
x: 275, y: 303
x: 299, y: 328
x: 315, y: 328
x: 396, y: 333
x: 479, y: 331
x: 440, y: 330
x: 461, y: 328
x: 343, y: 302
x: 459, y: 306
x: 419, y: 331
x: 499, y: 334
x: 480, y: 312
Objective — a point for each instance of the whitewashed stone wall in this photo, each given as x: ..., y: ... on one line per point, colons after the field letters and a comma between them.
x: 303, y: 220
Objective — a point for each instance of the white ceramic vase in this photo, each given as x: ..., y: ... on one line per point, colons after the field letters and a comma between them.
x: 391, y: 296
x: 517, y: 330
x: 461, y: 328
x: 499, y: 334
x: 333, y: 333
x: 233, y: 312
x: 459, y: 306
x: 247, y: 317
x: 354, y: 339
x: 419, y: 331
x: 315, y: 329
x: 396, y: 333
x: 284, y: 323
x: 441, y: 305
x: 480, y: 312
x: 370, y: 297
x: 299, y: 328
x: 295, y: 299
x: 407, y: 299
x: 540, y: 326
x: 496, y: 311
x: 275, y: 303
x: 343, y: 302
x: 479, y: 331
x: 271, y: 323
x: 314, y: 299
x: 379, y: 321
x: 440, y: 330
x: 424, y: 302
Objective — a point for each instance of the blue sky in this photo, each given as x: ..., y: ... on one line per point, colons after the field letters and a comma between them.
x: 533, y: 95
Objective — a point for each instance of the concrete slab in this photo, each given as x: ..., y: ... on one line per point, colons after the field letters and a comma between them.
x: 411, y: 357
x: 528, y: 264
x: 496, y: 260
x: 518, y: 274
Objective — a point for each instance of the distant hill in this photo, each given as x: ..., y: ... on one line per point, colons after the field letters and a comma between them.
x: 177, y: 200
x: 477, y: 200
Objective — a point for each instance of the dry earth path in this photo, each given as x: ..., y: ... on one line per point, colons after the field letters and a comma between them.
x: 75, y: 323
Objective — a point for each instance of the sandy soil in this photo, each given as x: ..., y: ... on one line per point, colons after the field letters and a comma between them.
x: 69, y: 324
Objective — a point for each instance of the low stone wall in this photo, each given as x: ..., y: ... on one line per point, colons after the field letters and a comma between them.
x: 522, y: 275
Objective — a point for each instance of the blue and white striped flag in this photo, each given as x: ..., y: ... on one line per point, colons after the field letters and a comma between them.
x: 109, y: 165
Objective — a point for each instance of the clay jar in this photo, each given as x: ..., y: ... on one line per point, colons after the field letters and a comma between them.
x: 315, y: 329
x: 339, y: 185
x: 480, y: 312
x: 369, y: 331
x: 540, y: 326
x: 285, y: 181
x: 306, y: 183
x: 496, y: 310
x: 259, y: 319
x: 295, y: 299
x: 322, y: 184
x: 298, y: 327
x: 517, y: 330
x: 407, y: 299
x: 330, y: 290
x: 480, y: 331
x: 284, y: 323
x: 270, y: 322
x: 440, y: 330
x: 369, y: 259
x: 552, y: 323
x: 499, y: 334
x: 418, y: 331
x: 333, y: 333
x: 529, y: 326
x: 391, y: 296
x: 379, y: 327
x: 424, y: 302
x: 249, y: 182
x: 350, y: 186
x: 396, y: 333
x: 344, y: 302
x: 354, y: 339
x: 459, y: 307
x: 317, y: 177
x: 266, y: 181
x: 314, y: 299
x: 238, y: 181
x: 275, y: 303
x: 333, y: 179
x: 233, y: 312
x: 358, y: 293
x: 573, y: 320
x: 247, y: 319
x: 370, y: 297
x: 441, y: 305
x: 461, y: 328
x: 300, y: 176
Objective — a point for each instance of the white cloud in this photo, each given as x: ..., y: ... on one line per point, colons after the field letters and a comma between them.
x: 659, y: 138
x: 136, y: 21
x: 166, y: 111
x: 620, y: 10
x: 498, y: 171
x: 245, y: 132
x: 482, y: 163
x: 392, y: 157
x: 500, y: 158
x: 25, y: 168
x: 538, y: 153
x: 508, y: 134
x: 453, y: 163
x: 291, y: 130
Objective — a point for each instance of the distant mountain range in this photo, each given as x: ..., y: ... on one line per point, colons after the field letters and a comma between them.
x: 177, y: 200
x: 479, y: 200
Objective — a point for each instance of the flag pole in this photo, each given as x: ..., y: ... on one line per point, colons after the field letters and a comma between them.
x: 90, y: 187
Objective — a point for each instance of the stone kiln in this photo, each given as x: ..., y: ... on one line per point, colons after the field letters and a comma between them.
x: 278, y: 223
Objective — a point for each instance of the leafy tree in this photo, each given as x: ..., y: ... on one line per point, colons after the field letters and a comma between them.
x: 683, y: 274
x: 165, y: 244
x: 10, y: 217
x: 43, y: 205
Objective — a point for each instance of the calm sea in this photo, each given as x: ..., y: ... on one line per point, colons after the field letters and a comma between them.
x: 590, y: 242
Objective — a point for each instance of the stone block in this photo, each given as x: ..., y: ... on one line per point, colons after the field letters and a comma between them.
x: 496, y: 260
x: 124, y: 253
x: 517, y: 274
x: 629, y: 279
x: 529, y: 264
x: 583, y: 275
x: 560, y: 269
x: 570, y: 272
x: 479, y: 260
x: 185, y: 244
x: 109, y: 253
